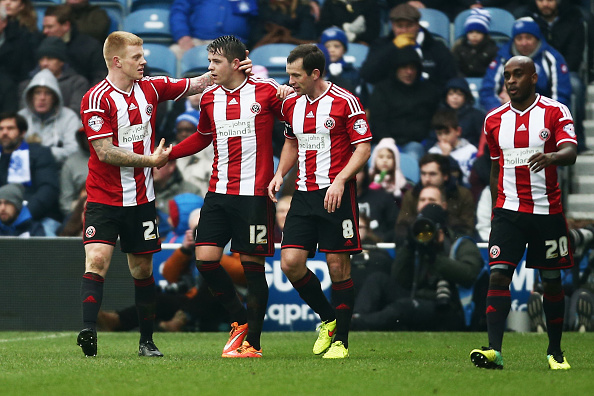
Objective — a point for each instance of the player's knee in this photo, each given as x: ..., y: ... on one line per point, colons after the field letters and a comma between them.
x: 96, y: 263
x: 500, y: 277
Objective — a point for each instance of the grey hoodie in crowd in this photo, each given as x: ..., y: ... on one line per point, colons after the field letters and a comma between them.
x: 55, y: 129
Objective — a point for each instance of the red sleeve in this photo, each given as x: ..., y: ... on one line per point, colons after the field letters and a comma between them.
x: 191, y: 145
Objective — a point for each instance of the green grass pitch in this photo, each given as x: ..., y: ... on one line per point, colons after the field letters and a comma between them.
x: 33, y: 363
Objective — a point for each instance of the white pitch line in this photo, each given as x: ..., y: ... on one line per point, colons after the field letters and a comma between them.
x: 59, y: 335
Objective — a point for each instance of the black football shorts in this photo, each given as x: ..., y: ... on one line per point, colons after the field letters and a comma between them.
x: 135, y: 225
x: 546, y: 237
x: 248, y: 221
x: 308, y: 224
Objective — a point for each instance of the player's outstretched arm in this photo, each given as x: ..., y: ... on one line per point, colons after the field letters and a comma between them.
x: 117, y: 156
x: 191, y: 145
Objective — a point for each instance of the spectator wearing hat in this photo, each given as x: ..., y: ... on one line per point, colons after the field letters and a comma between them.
x: 339, y: 71
x: 475, y: 49
x: 196, y: 168
x: 52, y: 55
x: 421, y: 293
x: 50, y: 123
x: 360, y: 20
x: 402, y: 107
x: 553, y: 73
x: 31, y: 165
x: 438, y: 64
x: 15, y: 218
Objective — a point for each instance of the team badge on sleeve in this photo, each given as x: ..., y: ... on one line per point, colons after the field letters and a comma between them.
x: 95, y: 123
x: 569, y: 130
x: 360, y: 126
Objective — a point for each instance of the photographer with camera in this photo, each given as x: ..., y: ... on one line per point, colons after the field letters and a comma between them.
x: 421, y: 293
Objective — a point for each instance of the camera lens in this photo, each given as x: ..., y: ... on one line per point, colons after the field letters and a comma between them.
x: 423, y: 230
x: 443, y: 295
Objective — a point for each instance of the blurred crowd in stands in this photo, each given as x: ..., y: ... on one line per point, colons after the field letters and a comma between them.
x: 426, y: 96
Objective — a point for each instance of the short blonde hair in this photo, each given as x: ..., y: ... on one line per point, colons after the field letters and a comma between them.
x: 116, y: 43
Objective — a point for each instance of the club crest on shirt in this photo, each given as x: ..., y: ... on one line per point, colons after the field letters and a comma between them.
x: 329, y: 123
x: 494, y: 251
x: 360, y: 126
x: 90, y: 232
x: 256, y: 108
x: 149, y: 109
x: 544, y: 134
x: 569, y: 130
x: 95, y: 123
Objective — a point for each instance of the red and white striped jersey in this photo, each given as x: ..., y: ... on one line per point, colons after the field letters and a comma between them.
x: 327, y: 130
x: 129, y: 119
x: 242, y: 121
x: 513, y: 137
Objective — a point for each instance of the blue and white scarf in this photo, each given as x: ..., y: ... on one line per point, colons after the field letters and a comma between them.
x: 19, y: 170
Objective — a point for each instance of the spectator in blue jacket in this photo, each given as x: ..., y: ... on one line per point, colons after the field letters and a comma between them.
x: 33, y: 166
x: 553, y: 74
x: 15, y: 219
x: 198, y: 22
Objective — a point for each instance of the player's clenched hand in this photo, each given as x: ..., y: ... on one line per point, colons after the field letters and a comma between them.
x: 333, y: 197
x: 246, y: 64
x: 274, y: 187
x: 161, y: 154
x: 283, y: 91
x: 539, y: 161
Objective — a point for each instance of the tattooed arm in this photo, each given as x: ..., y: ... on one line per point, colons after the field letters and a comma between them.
x: 118, y: 156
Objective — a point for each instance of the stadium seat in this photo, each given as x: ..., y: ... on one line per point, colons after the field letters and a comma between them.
x: 117, y: 18
x: 45, y: 3
x: 194, y: 62
x: 274, y: 58
x: 121, y: 5
x: 136, y: 5
x: 152, y: 25
x: 437, y: 23
x: 356, y: 54
x: 475, y: 84
x: 500, y: 28
x: 160, y: 60
x: 410, y: 167
x: 40, y: 10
